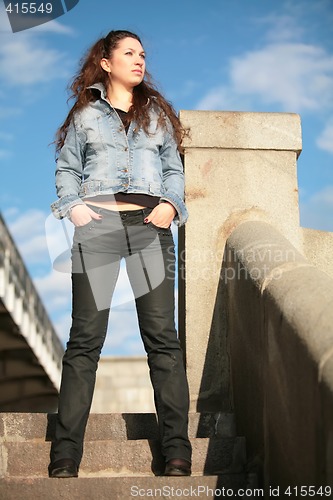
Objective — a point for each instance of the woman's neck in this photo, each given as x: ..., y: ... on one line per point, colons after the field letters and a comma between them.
x: 120, y: 97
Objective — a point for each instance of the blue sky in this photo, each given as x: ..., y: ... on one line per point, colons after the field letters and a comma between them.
x: 246, y: 55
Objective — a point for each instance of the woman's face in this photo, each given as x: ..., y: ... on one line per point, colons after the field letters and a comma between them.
x: 127, y: 63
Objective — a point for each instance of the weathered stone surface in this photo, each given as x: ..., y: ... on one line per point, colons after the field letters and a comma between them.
x: 305, y: 295
x: 238, y: 167
x: 317, y: 247
x: 115, y: 426
x: 239, y: 130
x: 256, y: 251
x: 122, y: 488
x: 104, y: 458
x: 281, y: 337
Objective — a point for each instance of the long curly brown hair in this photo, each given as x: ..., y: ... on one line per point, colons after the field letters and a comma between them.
x: 91, y: 72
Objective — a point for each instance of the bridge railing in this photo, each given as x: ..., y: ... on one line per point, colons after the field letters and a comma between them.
x: 20, y: 298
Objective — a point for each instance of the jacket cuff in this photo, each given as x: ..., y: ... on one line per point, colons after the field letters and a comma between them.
x: 61, y: 208
x: 177, y: 202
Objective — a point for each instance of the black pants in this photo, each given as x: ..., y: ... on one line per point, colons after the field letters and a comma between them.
x: 149, y: 253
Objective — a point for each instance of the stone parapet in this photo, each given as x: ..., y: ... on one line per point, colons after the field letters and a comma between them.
x: 280, y: 327
x: 239, y: 130
x: 238, y: 167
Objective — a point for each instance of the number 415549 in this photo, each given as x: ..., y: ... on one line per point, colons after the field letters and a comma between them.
x: 308, y: 491
x: 29, y: 8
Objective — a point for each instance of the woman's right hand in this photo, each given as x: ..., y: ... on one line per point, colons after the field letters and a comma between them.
x: 82, y: 215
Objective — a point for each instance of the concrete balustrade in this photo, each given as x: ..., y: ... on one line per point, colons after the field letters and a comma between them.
x: 256, y: 297
x: 280, y: 328
x: 238, y: 166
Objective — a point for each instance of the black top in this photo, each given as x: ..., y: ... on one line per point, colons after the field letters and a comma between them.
x: 144, y: 200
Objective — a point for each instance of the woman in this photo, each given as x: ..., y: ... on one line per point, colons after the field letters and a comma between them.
x: 119, y: 179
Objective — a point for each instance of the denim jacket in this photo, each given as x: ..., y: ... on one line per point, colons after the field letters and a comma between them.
x: 99, y: 158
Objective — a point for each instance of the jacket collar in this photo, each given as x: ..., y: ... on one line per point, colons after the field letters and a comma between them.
x: 99, y: 86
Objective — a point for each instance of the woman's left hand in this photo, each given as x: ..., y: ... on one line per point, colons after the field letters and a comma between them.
x: 162, y: 215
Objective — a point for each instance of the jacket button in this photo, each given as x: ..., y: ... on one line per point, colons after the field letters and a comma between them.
x: 126, y: 149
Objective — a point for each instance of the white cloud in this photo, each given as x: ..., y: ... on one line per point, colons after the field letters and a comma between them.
x: 5, y: 153
x: 4, y: 136
x: 224, y: 98
x: 4, y: 21
x: 294, y: 77
x: 11, y: 212
x: 53, y: 27
x: 62, y: 326
x: 187, y: 89
x: 324, y: 197
x: 281, y: 27
x: 293, y: 20
x: 316, y: 212
x: 123, y: 336
x: 123, y: 292
x: 29, y: 234
x: 55, y: 288
x: 325, y: 140
x: 287, y: 72
x: 25, y: 59
x: 8, y: 112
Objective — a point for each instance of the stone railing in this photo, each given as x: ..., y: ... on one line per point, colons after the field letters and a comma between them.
x: 25, y: 326
x: 280, y: 330
x: 260, y: 344
x: 238, y: 166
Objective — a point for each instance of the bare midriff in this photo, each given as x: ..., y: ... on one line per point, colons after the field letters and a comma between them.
x: 112, y: 204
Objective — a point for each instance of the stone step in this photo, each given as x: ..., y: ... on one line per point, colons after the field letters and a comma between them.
x: 124, y: 488
x: 112, y: 458
x: 34, y: 426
